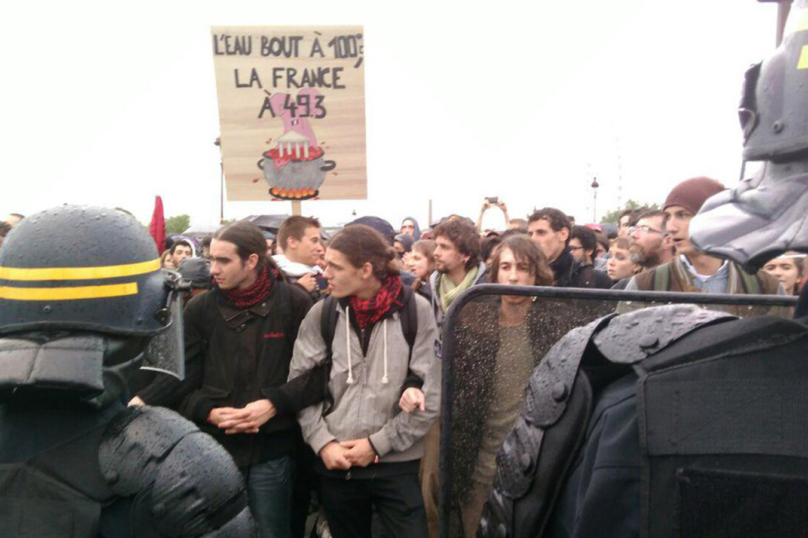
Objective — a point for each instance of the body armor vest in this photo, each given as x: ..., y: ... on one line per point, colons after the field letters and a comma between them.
x: 721, y: 431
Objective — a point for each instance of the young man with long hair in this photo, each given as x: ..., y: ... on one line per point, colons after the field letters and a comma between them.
x: 369, y: 451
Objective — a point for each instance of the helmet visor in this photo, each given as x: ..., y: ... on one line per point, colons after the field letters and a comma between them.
x: 166, y: 350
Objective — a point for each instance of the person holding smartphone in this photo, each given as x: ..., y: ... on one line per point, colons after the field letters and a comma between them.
x: 488, y: 203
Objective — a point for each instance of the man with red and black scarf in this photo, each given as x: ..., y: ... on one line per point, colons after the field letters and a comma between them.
x: 369, y: 449
x: 239, y: 339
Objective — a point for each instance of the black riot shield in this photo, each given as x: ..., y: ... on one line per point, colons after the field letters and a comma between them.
x: 493, y: 338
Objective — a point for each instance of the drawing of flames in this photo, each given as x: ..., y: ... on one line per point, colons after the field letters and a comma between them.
x: 295, y: 168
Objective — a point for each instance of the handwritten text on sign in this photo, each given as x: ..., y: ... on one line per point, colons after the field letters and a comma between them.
x: 299, y: 91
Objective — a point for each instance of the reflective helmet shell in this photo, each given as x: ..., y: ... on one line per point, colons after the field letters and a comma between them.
x: 81, y: 268
x: 774, y: 106
x: 767, y: 214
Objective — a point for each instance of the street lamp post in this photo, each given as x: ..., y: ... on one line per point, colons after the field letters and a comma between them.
x: 595, y: 186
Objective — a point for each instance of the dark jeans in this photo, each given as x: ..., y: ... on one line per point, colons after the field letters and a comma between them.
x: 269, y: 489
x: 349, y: 506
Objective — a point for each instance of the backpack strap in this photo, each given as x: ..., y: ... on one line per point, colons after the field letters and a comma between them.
x: 751, y: 283
x: 662, y: 277
x: 409, y: 319
x: 328, y: 323
x: 328, y: 326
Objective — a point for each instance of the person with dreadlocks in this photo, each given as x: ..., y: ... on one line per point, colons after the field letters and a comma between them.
x: 369, y: 450
x: 239, y: 339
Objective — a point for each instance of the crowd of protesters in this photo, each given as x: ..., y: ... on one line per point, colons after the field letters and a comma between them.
x: 315, y: 360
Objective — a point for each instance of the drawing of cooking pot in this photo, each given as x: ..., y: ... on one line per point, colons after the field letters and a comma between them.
x: 295, y: 170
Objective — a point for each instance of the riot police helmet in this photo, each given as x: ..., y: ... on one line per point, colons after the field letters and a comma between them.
x: 767, y: 214
x: 93, y: 271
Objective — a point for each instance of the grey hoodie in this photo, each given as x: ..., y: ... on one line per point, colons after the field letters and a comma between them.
x: 368, y: 407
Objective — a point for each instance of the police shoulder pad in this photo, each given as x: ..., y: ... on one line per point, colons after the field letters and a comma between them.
x: 632, y: 337
x: 551, y: 382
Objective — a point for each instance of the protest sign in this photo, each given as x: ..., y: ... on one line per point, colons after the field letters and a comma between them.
x: 292, y: 112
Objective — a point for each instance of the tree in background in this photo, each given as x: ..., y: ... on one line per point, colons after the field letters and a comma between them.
x: 177, y: 224
x: 614, y: 215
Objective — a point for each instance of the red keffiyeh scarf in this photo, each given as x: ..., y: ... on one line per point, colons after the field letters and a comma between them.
x: 370, y: 311
x: 254, y: 294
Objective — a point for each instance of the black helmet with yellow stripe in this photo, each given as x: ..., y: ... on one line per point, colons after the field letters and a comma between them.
x: 82, y: 268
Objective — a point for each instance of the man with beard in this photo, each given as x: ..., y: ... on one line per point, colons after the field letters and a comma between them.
x: 457, y: 268
x: 457, y: 264
x: 653, y: 241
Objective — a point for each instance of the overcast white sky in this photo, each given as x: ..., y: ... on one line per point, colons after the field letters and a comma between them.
x: 111, y: 103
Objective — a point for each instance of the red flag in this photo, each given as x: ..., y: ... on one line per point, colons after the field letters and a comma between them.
x: 157, y: 226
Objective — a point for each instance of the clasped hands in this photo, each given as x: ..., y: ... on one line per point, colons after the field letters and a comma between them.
x: 359, y: 452
x: 347, y: 454
x: 245, y: 420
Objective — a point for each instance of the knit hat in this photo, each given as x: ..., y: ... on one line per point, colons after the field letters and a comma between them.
x: 197, y: 271
x: 378, y: 224
x: 692, y: 193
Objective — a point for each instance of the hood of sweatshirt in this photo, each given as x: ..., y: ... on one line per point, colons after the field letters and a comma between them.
x: 294, y: 269
x: 416, y: 234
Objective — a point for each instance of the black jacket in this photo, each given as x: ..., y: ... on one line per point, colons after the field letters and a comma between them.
x: 234, y: 357
x: 571, y: 274
x: 587, y: 505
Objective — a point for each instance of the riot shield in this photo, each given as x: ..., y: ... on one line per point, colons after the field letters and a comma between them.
x: 493, y: 337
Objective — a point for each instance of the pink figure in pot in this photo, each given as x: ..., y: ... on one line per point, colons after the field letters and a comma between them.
x: 295, y: 168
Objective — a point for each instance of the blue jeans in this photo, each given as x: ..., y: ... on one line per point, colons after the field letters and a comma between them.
x: 269, y: 488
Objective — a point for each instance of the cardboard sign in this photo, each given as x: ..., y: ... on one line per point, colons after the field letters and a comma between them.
x: 292, y: 112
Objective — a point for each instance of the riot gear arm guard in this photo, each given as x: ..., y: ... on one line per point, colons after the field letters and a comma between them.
x: 182, y: 481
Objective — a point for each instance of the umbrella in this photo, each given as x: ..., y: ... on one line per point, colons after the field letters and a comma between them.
x: 197, y: 230
x: 267, y: 222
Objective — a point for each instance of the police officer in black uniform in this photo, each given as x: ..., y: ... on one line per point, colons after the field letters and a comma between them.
x: 673, y: 420
x: 83, y: 302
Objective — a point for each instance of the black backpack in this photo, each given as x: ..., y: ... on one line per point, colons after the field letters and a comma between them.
x: 328, y: 326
